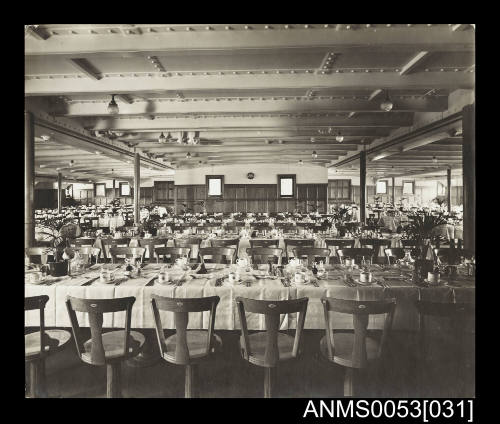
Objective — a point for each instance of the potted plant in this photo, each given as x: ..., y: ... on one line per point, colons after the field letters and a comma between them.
x: 422, y: 229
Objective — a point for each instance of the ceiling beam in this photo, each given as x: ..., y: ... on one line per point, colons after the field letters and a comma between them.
x: 123, y: 98
x: 437, y: 38
x: 146, y: 108
x: 183, y: 123
x: 413, y: 62
x: 83, y: 65
x: 165, y: 82
x: 37, y: 32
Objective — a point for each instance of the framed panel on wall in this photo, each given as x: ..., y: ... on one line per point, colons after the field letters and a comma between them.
x: 408, y: 187
x: 381, y: 187
x: 214, y: 186
x: 100, y: 190
x: 286, y: 186
x: 125, y: 190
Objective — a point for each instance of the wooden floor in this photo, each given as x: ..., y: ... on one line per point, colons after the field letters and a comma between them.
x: 228, y: 375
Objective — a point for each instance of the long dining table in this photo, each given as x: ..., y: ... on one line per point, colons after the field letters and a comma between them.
x: 388, y: 282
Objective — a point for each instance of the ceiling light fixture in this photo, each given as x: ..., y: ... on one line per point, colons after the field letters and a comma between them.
x: 162, y: 139
x: 314, y: 154
x: 188, y: 155
x: 434, y: 159
x: 386, y: 105
x: 45, y: 137
x: 112, y: 106
x: 301, y: 162
x: 71, y: 162
x: 339, y: 137
x: 313, y: 140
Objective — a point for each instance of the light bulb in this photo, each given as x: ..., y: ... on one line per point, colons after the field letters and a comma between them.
x: 313, y: 140
x: 169, y: 137
x: 386, y: 105
x: 300, y: 162
x: 188, y: 155
x: 339, y: 137
x: 162, y: 138
x: 314, y: 154
x: 112, y: 106
x: 434, y: 159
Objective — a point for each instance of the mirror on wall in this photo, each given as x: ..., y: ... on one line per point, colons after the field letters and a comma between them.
x: 286, y: 186
x: 408, y: 187
x: 100, y: 190
x: 215, y: 186
x: 125, y: 190
x: 381, y: 187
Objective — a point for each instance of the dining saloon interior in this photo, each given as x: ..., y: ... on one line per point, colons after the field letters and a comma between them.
x: 249, y: 210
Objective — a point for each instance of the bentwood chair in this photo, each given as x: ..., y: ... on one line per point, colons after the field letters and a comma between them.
x: 313, y: 254
x: 264, y: 243
x: 267, y: 348
x: 286, y: 227
x: 193, y: 243
x: 127, y: 252
x: 357, y: 254
x: 110, y: 348
x: 338, y: 244
x: 78, y: 242
x: 39, y: 344
x: 234, y: 227
x: 260, y: 226
x: 292, y: 243
x: 375, y: 244
x: 450, y: 256
x: 39, y: 255
x: 459, y: 316
x: 262, y: 255
x: 170, y: 254
x: 355, y: 350
x: 150, y: 245
x: 218, y: 255
x: 186, y: 347
x: 234, y: 243
x: 108, y: 243
x: 393, y: 254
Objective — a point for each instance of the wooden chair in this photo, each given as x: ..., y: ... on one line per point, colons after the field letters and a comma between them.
x: 234, y: 227
x: 218, y: 255
x: 267, y: 348
x: 356, y: 254
x: 79, y: 242
x: 296, y: 243
x: 39, y: 255
x: 150, y: 245
x: 355, y: 350
x: 394, y: 253
x: 452, y: 256
x: 262, y: 255
x: 264, y: 243
x: 171, y: 253
x: 338, y: 244
x: 375, y: 245
x: 312, y: 254
x: 186, y: 347
x: 235, y: 243
x: 128, y: 252
x: 88, y: 252
x: 39, y: 344
x: 458, y: 314
x: 110, y: 348
x: 193, y: 243
x: 108, y: 243
x: 286, y: 227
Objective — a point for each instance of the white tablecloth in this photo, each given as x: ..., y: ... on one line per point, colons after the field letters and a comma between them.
x: 405, y: 292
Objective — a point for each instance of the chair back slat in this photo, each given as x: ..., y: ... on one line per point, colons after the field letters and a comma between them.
x: 360, y: 311
x: 219, y: 255
x: 181, y: 308
x: 292, y: 243
x: 96, y: 308
x: 357, y: 254
x: 452, y: 256
x: 172, y: 253
x: 340, y: 244
x: 394, y: 253
x: 88, y: 252
x: 271, y: 310
x: 151, y: 244
x: 312, y: 254
x: 264, y: 243
x: 38, y: 302
x: 128, y: 252
x: 235, y: 243
x: 262, y: 255
x: 39, y: 255
x: 78, y: 242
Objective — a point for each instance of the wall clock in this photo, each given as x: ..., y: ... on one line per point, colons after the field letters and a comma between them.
x: 250, y: 175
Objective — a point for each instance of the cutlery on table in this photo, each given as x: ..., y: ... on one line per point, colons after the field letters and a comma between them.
x: 87, y: 283
x: 150, y: 282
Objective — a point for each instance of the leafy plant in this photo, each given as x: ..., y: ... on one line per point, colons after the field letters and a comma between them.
x: 422, y: 225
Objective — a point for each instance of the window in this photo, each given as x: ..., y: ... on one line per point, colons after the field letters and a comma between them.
x: 381, y: 187
x: 286, y: 186
x: 441, y: 189
x: 124, y: 189
x: 215, y: 186
x: 408, y: 187
x: 339, y: 189
x: 100, y: 190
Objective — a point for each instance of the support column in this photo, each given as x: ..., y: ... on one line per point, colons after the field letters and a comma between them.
x: 393, y: 191
x: 448, y: 189
x: 137, y: 188
x: 469, y: 175
x: 59, y: 192
x: 362, y: 187
x: 29, y: 179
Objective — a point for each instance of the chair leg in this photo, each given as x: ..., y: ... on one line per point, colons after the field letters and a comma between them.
x: 37, y: 379
x: 269, y: 376
x: 189, y: 390
x: 349, y: 381
x: 113, y: 376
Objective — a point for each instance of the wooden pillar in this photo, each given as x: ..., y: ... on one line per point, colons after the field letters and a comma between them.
x: 393, y: 191
x: 469, y: 175
x: 362, y: 187
x: 29, y: 179
x: 137, y: 188
x: 59, y: 192
x: 448, y: 189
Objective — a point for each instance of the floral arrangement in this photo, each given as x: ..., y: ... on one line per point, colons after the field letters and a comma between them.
x: 422, y: 226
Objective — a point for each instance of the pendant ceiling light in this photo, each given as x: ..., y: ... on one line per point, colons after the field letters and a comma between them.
x: 162, y: 139
x: 339, y: 137
x: 434, y: 159
x: 314, y: 154
x: 300, y: 162
x: 112, y: 106
x: 169, y: 137
x: 386, y: 105
x: 188, y: 155
x: 313, y: 140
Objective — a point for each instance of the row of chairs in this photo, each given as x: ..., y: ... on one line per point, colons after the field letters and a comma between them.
x: 354, y: 350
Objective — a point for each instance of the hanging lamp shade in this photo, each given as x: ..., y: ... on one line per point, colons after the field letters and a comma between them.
x: 162, y: 138
x: 386, y: 105
x: 112, y: 106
